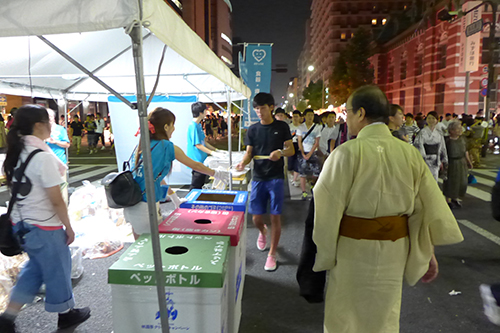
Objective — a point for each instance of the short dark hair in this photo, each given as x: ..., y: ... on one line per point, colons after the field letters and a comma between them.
x: 447, y: 115
x: 98, y: 114
x: 434, y: 114
x: 373, y: 101
x: 297, y: 112
x: 306, y: 111
x: 325, y: 114
x: 279, y: 110
x: 409, y: 115
x: 394, y: 109
x: 262, y: 99
x: 197, y: 108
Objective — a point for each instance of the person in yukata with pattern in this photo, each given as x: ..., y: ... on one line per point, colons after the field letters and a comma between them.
x: 378, y: 215
x: 430, y: 143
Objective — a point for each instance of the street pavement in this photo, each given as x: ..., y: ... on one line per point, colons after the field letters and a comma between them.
x: 270, y: 299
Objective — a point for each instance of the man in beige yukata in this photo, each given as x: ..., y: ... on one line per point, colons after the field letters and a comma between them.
x: 378, y: 214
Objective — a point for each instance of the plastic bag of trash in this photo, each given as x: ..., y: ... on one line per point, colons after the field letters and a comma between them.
x: 83, y: 202
x: 99, y: 237
x: 9, y: 270
x: 76, y: 262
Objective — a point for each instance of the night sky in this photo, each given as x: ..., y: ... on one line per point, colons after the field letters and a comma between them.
x: 282, y: 22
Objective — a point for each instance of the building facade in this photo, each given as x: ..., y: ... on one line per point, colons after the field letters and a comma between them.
x: 332, y: 24
x: 420, y: 70
x: 212, y: 21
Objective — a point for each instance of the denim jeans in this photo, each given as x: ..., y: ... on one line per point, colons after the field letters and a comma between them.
x: 49, y: 263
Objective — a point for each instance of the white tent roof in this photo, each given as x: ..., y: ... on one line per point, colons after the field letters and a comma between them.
x: 92, y: 33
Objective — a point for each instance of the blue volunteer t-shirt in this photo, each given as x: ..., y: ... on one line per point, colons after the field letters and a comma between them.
x: 59, y: 133
x: 195, y: 136
x: 162, y: 155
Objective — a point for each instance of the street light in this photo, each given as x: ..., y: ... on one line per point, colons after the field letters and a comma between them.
x: 310, y: 69
x: 291, y: 95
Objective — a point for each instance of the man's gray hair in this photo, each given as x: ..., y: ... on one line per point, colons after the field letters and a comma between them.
x: 454, y: 124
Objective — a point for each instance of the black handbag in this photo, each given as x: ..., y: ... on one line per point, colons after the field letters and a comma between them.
x: 10, y: 243
x: 121, y: 188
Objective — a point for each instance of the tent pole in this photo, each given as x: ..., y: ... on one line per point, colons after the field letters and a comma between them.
x: 137, y: 40
x: 229, y: 138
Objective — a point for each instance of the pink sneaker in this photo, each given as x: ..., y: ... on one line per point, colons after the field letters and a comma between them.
x: 262, y: 240
x: 270, y: 263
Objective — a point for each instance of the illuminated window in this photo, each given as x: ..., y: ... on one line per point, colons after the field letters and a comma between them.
x: 342, y: 36
x: 405, y: 7
x: 384, y: 21
x: 374, y: 22
x: 352, y: 34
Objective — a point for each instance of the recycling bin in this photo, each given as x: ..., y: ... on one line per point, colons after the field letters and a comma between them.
x: 196, y: 280
x: 224, y: 223
x: 216, y: 200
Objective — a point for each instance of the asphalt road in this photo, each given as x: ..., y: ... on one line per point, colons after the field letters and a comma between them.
x: 271, y: 302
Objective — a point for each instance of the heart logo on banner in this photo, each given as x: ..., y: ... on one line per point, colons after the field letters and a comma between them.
x: 259, y: 55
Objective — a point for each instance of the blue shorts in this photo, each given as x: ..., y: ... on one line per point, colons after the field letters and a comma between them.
x: 49, y: 263
x: 272, y: 191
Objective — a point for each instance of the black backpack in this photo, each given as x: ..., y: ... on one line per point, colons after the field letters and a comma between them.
x: 10, y: 243
x: 121, y: 188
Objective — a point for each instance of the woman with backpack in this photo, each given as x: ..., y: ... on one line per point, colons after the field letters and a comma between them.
x: 163, y: 153
x: 41, y: 221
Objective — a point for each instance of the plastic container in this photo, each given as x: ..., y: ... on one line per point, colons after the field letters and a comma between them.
x: 216, y: 200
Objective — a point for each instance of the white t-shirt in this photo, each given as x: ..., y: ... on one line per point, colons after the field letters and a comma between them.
x: 100, y: 125
x: 33, y: 205
x: 308, y: 143
x: 328, y: 133
x: 293, y: 131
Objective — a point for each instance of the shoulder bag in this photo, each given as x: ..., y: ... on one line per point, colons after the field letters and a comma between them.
x: 309, y: 132
x: 10, y: 244
x: 121, y: 188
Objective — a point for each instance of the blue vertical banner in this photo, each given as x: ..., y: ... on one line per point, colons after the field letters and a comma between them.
x: 255, y: 70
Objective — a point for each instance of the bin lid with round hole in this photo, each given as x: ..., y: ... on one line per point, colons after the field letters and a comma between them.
x: 198, y: 261
x: 216, y: 200
x: 205, y: 222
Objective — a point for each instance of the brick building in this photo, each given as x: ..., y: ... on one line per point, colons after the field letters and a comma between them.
x: 332, y: 24
x: 418, y: 67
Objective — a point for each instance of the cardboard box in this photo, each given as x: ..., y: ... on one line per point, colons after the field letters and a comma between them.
x: 224, y: 223
x: 195, y: 272
x: 216, y: 200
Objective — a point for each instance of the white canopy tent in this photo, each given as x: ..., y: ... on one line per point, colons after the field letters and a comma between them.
x: 88, y: 50
x: 95, y: 36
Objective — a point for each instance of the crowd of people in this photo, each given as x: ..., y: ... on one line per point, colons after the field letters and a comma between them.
x: 215, y: 125
x: 377, y: 210
x: 450, y: 145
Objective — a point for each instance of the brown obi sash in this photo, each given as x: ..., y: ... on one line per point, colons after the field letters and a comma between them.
x: 380, y: 228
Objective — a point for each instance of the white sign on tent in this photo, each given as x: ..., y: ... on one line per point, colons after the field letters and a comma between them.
x: 125, y: 124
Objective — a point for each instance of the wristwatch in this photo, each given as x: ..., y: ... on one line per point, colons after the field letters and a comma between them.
x: 281, y: 152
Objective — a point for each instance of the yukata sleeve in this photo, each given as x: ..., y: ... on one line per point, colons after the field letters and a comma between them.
x: 330, y: 201
x: 419, y: 143
x: 431, y: 223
